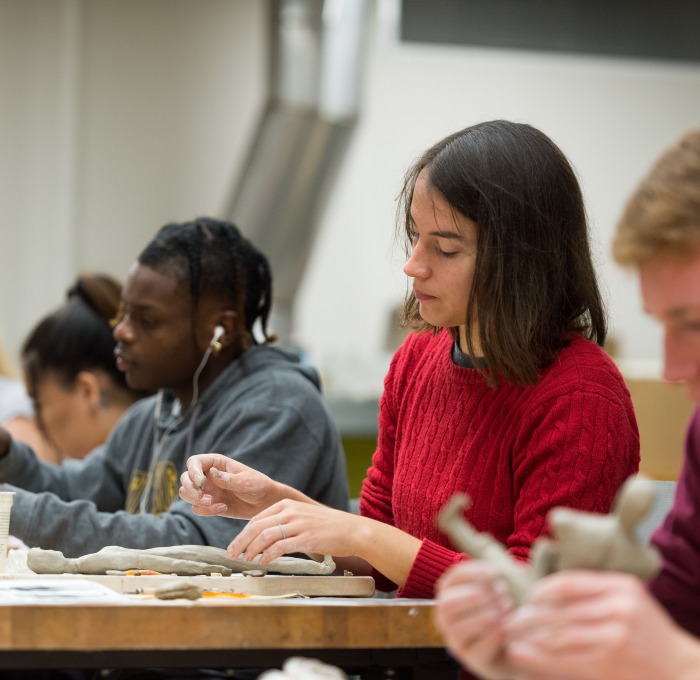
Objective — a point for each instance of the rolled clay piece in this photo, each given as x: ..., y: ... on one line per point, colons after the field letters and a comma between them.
x: 116, y: 558
x: 184, y: 560
x: 176, y: 590
x: 483, y: 546
x: 218, y: 556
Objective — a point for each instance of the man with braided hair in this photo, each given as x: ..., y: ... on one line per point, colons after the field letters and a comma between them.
x: 192, y: 329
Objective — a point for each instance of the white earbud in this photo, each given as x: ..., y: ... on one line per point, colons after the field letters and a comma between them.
x: 219, y: 331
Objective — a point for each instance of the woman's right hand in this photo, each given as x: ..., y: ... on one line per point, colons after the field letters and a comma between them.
x: 218, y: 485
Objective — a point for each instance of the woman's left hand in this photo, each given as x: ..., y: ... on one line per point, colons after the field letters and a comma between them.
x: 297, y: 527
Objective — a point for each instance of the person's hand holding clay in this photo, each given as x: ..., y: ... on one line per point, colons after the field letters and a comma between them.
x: 218, y: 485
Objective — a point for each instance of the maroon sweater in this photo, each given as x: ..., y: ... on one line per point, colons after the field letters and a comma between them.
x: 678, y: 584
x: 569, y: 440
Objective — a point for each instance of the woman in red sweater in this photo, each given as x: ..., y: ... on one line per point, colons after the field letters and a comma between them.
x: 503, y: 391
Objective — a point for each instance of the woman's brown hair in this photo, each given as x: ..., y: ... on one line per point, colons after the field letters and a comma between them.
x: 534, y: 281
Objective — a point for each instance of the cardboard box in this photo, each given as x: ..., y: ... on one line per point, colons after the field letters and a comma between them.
x: 663, y: 412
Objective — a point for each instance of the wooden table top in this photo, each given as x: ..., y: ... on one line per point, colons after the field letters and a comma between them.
x: 320, y: 623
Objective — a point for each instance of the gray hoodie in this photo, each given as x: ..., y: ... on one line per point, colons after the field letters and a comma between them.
x: 264, y: 410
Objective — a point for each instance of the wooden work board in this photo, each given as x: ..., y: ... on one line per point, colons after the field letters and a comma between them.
x: 270, y: 585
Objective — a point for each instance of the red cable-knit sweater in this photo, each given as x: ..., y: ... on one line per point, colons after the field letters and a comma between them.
x: 570, y: 440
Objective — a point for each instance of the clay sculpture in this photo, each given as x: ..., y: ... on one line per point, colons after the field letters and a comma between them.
x: 183, y: 560
x: 580, y: 540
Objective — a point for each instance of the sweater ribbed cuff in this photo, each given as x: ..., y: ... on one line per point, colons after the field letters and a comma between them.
x: 431, y: 562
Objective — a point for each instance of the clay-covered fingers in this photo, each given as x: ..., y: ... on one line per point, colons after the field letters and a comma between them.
x: 198, y: 468
x: 473, y: 602
x: 268, y: 535
x: 198, y: 487
x: 217, y: 485
x: 202, y: 503
x: 296, y: 526
x: 269, y: 539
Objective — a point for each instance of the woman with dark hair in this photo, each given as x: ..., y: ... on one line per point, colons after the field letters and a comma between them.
x: 586, y: 625
x: 17, y: 411
x: 502, y: 392
x: 70, y: 371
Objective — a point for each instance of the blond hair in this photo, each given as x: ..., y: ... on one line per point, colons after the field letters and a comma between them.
x: 664, y: 212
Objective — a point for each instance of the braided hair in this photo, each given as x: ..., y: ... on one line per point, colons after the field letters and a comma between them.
x: 214, y: 259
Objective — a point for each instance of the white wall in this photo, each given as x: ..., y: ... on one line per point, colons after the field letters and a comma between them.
x: 35, y: 249
x: 119, y: 115
x: 116, y: 117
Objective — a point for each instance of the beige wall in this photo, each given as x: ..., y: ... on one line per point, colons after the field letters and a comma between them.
x: 663, y: 411
x: 119, y: 115
x: 116, y: 116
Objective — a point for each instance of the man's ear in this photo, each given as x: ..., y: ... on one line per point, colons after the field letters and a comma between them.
x: 87, y: 386
x: 224, y: 330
